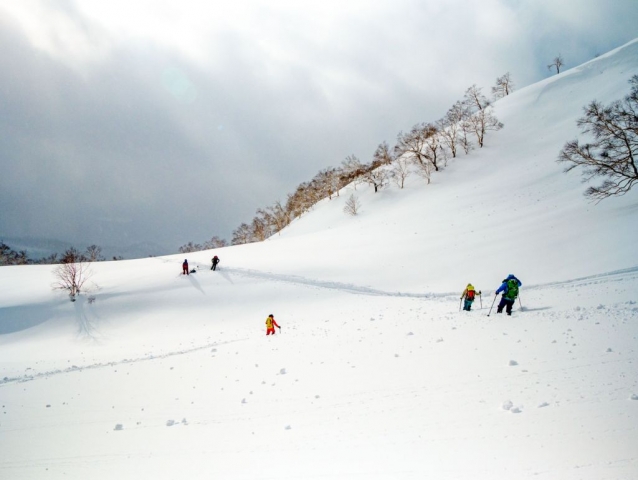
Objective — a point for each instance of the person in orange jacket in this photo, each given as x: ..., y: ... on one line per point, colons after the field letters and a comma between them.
x: 271, y: 324
x: 185, y: 267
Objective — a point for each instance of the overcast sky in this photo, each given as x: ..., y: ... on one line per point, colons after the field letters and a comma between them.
x: 127, y: 121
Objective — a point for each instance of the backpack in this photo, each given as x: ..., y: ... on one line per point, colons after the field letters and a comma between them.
x: 512, y: 289
x: 470, y: 294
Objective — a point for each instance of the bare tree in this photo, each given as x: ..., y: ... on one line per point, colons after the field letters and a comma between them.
x: 613, y: 153
x: 449, y: 127
x: 73, y: 255
x: 415, y: 145
x: 383, y: 154
x: 242, y: 235
x: 8, y: 256
x: 375, y: 175
x: 400, y: 171
x: 423, y: 170
x: 352, y: 205
x: 351, y: 171
x: 504, y: 86
x: 260, y: 227
x: 94, y: 253
x: 72, y: 276
x: 483, y: 121
x: 433, y: 150
x: 191, y: 247
x: 464, y: 136
x: 280, y: 217
x: 474, y: 100
x: 215, y: 242
x: 556, y: 63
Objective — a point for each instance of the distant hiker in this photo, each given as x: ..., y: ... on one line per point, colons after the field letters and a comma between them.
x: 509, y: 287
x: 469, y: 294
x: 271, y: 324
x: 185, y: 267
x: 215, y: 261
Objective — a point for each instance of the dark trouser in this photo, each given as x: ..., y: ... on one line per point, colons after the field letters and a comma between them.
x: 507, y: 303
x: 468, y: 304
x: 214, y: 267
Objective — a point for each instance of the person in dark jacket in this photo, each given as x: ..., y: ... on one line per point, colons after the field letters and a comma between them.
x: 509, y: 287
x: 215, y: 262
x: 185, y: 267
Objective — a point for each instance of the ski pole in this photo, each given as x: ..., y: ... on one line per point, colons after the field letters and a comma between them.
x: 460, y: 303
x: 481, y: 300
x: 488, y: 314
x: 520, y: 303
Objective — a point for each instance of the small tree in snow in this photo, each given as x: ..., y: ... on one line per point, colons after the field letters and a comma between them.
x: 474, y: 100
x: 556, y: 63
x: 375, y: 175
x: 352, y: 205
x: 449, y: 127
x: 504, y: 86
x: 400, y: 171
x: 383, y: 154
x: 481, y: 122
x: 72, y: 277
x: 215, y: 242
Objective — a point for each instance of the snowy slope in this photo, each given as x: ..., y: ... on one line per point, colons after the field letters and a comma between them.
x: 375, y: 373
x: 504, y: 207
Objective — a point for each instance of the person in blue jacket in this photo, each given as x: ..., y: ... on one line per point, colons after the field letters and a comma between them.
x: 509, y: 287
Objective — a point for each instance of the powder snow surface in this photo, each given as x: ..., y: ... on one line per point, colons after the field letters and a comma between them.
x: 375, y: 374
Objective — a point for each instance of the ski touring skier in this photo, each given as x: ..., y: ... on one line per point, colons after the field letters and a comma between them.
x: 469, y: 294
x: 185, y: 267
x: 509, y: 287
x: 271, y: 324
x: 215, y: 261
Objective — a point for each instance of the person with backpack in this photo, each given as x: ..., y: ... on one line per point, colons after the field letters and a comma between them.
x: 509, y: 287
x: 469, y: 294
x: 271, y: 324
x: 185, y: 267
x: 215, y: 261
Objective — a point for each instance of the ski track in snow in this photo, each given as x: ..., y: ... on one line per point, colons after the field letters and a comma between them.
x: 613, y: 276
x: 74, y: 368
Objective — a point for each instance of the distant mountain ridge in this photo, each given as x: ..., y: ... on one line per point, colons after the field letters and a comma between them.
x: 38, y: 248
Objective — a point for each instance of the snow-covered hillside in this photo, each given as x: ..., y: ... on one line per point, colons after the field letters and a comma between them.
x: 375, y: 374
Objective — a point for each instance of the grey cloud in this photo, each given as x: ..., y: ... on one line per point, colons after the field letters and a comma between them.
x: 145, y: 144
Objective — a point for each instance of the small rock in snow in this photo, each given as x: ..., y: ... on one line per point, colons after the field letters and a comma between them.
x: 507, y: 405
x: 634, y: 397
x: 544, y: 404
x: 282, y: 371
x: 288, y: 427
x: 118, y: 427
x: 170, y: 423
x: 513, y: 363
